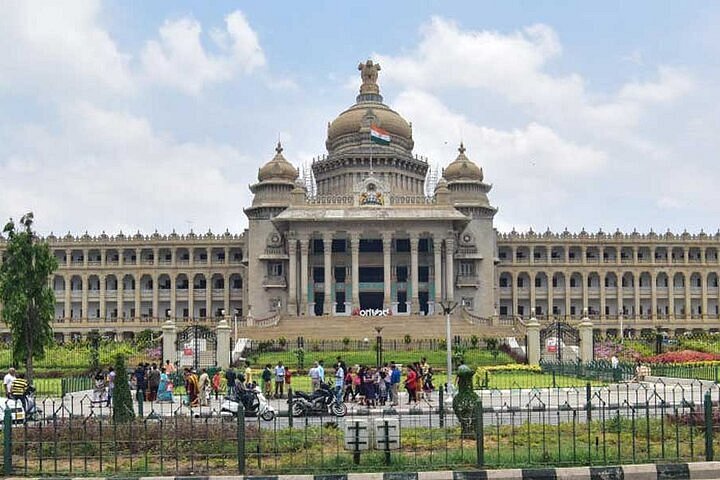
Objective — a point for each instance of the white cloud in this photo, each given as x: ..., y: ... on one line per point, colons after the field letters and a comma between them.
x: 179, y: 59
x: 515, y: 66
x: 109, y: 170
x: 59, y: 47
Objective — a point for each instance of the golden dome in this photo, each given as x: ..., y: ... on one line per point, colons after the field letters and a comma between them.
x: 278, y: 168
x: 462, y: 168
x: 363, y: 114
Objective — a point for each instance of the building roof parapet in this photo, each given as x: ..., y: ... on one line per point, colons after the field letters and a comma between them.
x: 138, y: 237
x: 548, y: 235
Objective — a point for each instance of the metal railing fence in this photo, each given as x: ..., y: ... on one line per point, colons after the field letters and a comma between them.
x: 590, y: 425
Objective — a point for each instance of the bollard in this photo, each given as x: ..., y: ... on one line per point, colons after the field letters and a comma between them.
x: 241, y: 439
x: 290, y: 410
x: 441, y: 406
x: 7, y: 442
x: 708, y: 428
x: 479, y: 434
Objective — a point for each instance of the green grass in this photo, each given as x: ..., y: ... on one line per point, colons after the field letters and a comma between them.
x: 507, y: 380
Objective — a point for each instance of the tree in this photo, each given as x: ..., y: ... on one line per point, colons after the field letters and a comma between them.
x: 28, y: 302
x: 122, y: 401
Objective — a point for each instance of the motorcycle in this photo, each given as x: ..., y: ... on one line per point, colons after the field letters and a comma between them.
x: 21, y: 413
x: 253, y: 401
x: 321, y: 401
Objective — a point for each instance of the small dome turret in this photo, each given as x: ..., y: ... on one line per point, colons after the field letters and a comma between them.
x: 278, y: 168
x: 462, y: 168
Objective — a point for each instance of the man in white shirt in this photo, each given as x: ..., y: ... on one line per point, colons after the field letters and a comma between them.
x: 8, y: 380
x: 279, y: 380
x: 339, y: 382
x: 321, y: 371
x: 314, y: 375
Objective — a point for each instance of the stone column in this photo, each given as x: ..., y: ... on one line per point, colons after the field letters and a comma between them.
x: 618, y: 277
x: 671, y: 295
x: 191, y: 294
x: 449, y: 259
x: 603, y: 294
x: 437, y: 271
x: 222, y: 333
x: 304, y: 249
x: 102, y: 279
x: 137, y: 293
x: 704, y: 299
x: 533, y: 341
x: 653, y: 294
x: 533, y: 298
x: 169, y: 331
x: 513, y: 279
x: 585, y: 291
x: 327, y: 250
x: 355, y: 268
x: 636, y: 290
x: 68, y: 298
x: 84, y: 301
x: 568, y: 294
x: 688, y: 303
x: 120, y: 293
x: 173, y: 298
x: 586, y: 340
x: 550, y: 294
x: 292, y: 275
x: 387, y: 269
x: 414, y: 273
x: 226, y: 293
x: 156, y: 297
x: 208, y: 295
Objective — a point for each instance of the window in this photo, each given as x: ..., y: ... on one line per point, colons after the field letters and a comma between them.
x: 573, y: 281
x: 467, y: 269
x: 504, y: 282
x: 402, y: 245
x: 401, y: 271
x: 317, y: 245
x: 424, y: 245
x: 202, y: 312
x: 423, y: 274
x: 339, y: 245
x: 319, y: 274
x: 521, y: 310
x: 467, y: 302
x: 275, y: 269
x: 521, y: 282
x: 340, y: 273
x: 503, y: 310
x: 538, y: 282
x: 554, y: 282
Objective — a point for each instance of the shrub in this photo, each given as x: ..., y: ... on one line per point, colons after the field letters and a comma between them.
x: 122, y: 401
x: 474, y: 341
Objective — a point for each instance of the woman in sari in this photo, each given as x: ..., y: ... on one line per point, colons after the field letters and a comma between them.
x: 164, y: 389
x: 192, y: 387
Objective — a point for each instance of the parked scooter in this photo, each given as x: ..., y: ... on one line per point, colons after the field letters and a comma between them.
x: 21, y: 412
x: 321, y: 401
x: 253, y: 401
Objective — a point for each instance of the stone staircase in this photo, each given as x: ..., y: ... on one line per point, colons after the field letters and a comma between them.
x: 355, y: 327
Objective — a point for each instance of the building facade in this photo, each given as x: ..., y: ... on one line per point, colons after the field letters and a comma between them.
x: 374, y: 234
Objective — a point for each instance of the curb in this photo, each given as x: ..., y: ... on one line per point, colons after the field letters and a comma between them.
x: 651, y: 471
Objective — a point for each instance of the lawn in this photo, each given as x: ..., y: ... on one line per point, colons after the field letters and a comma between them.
x: 507, y: 380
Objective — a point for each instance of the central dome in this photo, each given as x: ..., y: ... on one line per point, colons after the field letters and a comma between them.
x: 353, y: 125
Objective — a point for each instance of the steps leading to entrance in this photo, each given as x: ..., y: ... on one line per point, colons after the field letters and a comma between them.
x: 356, y: 327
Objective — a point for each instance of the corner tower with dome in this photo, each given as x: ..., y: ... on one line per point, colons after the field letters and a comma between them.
x: 368, y: 240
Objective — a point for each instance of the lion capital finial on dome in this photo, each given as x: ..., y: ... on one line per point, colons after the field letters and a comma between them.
x: 369, y: 75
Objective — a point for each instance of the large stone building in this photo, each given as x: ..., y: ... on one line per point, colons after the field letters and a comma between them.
x: 371, y: 234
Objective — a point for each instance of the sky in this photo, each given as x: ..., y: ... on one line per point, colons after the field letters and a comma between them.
x: 142, y: 116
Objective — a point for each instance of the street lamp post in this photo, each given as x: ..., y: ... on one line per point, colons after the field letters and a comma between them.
x: 448, y: 306
x: 379, y: 354
x: 235, y: 315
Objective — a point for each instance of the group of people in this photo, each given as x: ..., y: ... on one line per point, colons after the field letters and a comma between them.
x: 154, y: 383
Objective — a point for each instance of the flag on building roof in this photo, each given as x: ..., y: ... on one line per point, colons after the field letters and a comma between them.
x: 378, y: 135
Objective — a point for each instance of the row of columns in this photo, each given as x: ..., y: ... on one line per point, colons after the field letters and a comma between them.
x: 120, y: 300
x: 619, y: 295
x: 156, y: 259
x: 618, y: 254
x: 354, y: 240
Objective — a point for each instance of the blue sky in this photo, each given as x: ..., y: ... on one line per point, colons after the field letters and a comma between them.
x: 156, y: 115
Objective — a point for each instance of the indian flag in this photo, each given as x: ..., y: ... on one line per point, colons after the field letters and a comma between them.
x: 378, y: 135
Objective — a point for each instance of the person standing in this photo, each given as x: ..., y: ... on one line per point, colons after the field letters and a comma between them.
x: 248, y: 374
x: 411, y: 384
x: 153, y: 382
x: 266, y: 378
x: 314, y: 375
x: 230, y: 377
x: 140, y: 383
x: 394, y: 384
x: 216, y: 382
x: 111, y: 385
x: 321, y: 371
x: 7, y: 382
x: 279, y: 380
x: 192, y: 388
x: 204, y: 388
x: 18, y: 390
x: 339, y: 382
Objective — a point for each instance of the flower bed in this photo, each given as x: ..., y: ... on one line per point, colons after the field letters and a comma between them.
x: 684, y: 357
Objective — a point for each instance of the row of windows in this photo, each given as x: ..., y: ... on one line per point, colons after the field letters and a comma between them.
x: 130, y: 256
x: 341, y: 245
x: 146, y: 282
x: 611, y: 280
x: 609, y: 253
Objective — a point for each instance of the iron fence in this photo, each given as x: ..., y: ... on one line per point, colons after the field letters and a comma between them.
x: 534, y: 427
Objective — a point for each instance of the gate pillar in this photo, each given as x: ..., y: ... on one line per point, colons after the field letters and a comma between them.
x: 169, y: 343
x: 533, y: 341
x: 585, y: 329
x: 222, y: 351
